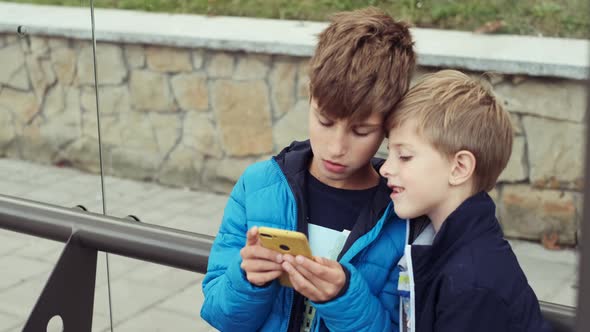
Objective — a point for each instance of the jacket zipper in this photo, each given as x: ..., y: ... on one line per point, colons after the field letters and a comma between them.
x: 376, y: 230
x: 291, y: 292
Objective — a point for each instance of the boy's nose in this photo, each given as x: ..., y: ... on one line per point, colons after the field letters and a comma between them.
x: 382, y: 171
x: 385, y: 169
x: 338, y: 146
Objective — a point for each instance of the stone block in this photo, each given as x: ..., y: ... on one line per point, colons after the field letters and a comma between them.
x: 282, y: 82
x: 41, y: 74
x: 191, y: 91
x: 20, y: 79
x: 64, y: 62
x: 551, y: 98
x: 168, y: 59
x: 555, y: 153
x: 109, y: 62
x: 83, y: 154
x: 303, y: 79
x: 133, y: 163
x: 112, y: 99
x: 39, y: 45
x: 530, y: 213
x: 167, y: 129
x: 221, y: 65
x: 516, y: 124
x: 182, y: 168
x: 293, y: 126
x: 243, y: 117
x: 135, y: 55
x: 7, y: 133
x: 137, y: 133
x: 201, y: 135
x: 252, y: 67
x: 198, y: 59
x: 24, y: 105
x: 55, y: 101
x: 517, y: 168
x: 150, y: 91
x: 12, y: 59
x: 220, y: 176
x: 57, y: 42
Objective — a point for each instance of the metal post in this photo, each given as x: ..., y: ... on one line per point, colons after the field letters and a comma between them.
x: 583, y: 311
x: 69, y: 292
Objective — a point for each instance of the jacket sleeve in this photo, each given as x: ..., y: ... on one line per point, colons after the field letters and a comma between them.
x: 472, y: 310
x: 231, y: 302
x: 360, y: 310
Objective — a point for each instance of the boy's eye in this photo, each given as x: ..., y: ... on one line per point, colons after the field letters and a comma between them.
x: 324, y: 122
x: 405, y: 158
x: 361, y: 132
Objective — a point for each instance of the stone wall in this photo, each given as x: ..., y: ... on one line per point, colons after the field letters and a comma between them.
x: 196, y: 118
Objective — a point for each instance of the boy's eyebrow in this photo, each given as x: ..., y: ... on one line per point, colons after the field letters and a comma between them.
x: 398, y: 145
x: 322, y: 113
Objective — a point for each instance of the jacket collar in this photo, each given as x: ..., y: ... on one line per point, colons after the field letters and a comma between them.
x: 294, y: 162
x: 296, y: 157
x: 473, y: 219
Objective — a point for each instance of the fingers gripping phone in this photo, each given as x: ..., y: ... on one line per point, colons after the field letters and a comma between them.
x: 285, y: 242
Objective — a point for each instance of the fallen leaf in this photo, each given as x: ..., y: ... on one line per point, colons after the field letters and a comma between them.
x: 549, y: 241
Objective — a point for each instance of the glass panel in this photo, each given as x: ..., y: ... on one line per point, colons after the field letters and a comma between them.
x: 174, y: 143
x: 161, y: 152
x: 48, y: 141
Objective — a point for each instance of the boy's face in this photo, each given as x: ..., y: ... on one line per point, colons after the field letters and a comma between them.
x: 417, y: 174
x: 343, y: 150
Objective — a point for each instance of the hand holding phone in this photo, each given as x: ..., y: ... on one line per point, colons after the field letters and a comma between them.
x: 285, y: 242
x: 261, y: 265
x: 317, y: 278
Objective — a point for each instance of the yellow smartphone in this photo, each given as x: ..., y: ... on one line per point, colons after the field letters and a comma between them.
x: 284, y: 242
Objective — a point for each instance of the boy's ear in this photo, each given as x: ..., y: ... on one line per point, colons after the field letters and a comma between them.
x: 462, y: 167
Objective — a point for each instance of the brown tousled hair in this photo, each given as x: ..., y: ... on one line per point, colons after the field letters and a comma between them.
x: 362, y: 64
x: 455, y: 112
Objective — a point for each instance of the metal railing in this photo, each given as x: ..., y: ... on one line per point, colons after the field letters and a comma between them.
x: 69, y: 292
x: 86, y: 233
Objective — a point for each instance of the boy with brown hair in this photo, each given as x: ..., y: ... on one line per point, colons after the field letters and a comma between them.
x: 328, y: 188
x: 449, y: 140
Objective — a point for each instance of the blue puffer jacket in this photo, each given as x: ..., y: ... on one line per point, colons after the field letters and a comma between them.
x: 270, y: 193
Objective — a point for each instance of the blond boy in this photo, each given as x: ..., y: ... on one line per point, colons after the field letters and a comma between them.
x: 449, y: 140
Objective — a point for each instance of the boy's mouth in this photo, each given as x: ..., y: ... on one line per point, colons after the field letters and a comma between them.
x: 334, y: 167
x: 397, y: 189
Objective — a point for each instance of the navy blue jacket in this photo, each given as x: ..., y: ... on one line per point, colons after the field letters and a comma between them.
x: 470, y: 280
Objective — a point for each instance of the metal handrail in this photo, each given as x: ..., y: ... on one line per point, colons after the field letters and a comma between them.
x: 156, y: 244
x: 152, y: 243
x: 562, y: 318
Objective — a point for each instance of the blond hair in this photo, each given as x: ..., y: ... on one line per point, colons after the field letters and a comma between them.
x: 362, y: 64
x: 455, y: 112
